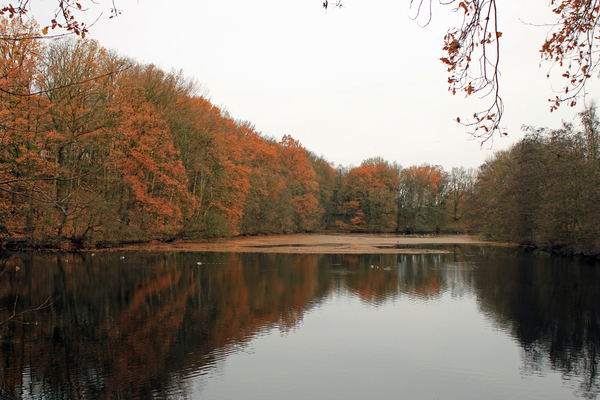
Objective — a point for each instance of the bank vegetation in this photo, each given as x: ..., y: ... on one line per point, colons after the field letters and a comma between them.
x: 98, y: 149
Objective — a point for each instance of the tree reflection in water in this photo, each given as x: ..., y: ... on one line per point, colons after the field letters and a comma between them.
x: 136, y: 327
x: 551, y: 306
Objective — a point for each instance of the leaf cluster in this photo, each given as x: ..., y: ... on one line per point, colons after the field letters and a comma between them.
x: 573, y: 47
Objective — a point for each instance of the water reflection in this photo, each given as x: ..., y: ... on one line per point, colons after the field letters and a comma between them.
x: 138, y: 325
x: 552, y: 307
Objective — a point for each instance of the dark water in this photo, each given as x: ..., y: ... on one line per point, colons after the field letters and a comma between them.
x: 479, y: 323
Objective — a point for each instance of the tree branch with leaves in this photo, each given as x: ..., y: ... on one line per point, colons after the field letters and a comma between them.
x: 472, y: 54
x: 472, y: 57
x: 66, y: 14
x: 573, y: 46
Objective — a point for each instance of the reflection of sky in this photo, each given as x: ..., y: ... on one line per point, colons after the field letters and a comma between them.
x: 402, y: 349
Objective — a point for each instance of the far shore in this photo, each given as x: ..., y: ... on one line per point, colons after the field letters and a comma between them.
x: 317, y: 243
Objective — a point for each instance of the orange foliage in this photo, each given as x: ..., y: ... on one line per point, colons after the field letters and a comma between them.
x: 428, y: 176
x: 355, y: 214
x: 117, y: 150
x: 148, y: 164
x: 368, y: 197
x: 26, y: 169
x: 302, y: 183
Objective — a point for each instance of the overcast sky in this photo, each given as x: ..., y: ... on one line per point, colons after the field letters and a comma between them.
x: 349, y: 84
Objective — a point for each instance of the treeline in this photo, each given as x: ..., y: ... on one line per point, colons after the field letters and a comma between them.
x: 96, y: 148
x: 381, y: 197
x: 545, y: 190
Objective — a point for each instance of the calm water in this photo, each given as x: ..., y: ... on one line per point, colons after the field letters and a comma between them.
x: 478, y: 323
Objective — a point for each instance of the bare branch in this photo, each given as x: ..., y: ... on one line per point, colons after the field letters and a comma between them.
x: 44, y: 91
x: 17, y: 180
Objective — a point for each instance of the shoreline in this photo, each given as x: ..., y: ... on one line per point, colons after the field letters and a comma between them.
x: 315, y: 243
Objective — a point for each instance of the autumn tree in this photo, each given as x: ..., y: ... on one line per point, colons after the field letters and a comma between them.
x: 353, y: 216
x: 564, y: 211
x: 95, y: 147
x: 195, y: 121
x: 77, y: 80
x: 113, y: 167
x: 231, y: 176
x: 267, y: 208
x: 326, y: 177
x: 302, y: 184
x: 543, y: 191
x: 151, y: 176
x: 492, y: 194
x: 421, y: 197
x: 208, y: 148
x: 66, y: 101
x: 367, y: 198
x: 25, y: 171
x: 459, y: 192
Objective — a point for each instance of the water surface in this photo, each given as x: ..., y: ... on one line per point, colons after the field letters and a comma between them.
x: 478, y: 323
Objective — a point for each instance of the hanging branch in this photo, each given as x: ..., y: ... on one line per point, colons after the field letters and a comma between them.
x: 573, y: 47
x: 64, y: 15
x: 472, y: 56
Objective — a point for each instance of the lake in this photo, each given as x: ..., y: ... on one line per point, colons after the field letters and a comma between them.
x: 479, y: 322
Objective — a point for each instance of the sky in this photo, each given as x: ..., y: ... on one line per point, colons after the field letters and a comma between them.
x: 353, y: 83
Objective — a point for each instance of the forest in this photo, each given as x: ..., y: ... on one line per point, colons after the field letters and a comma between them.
x: 98, y: 149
